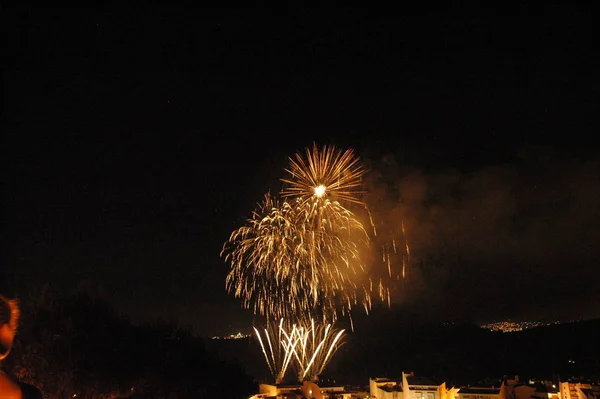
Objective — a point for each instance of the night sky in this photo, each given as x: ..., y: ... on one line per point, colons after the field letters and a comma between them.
x: 136, y: 140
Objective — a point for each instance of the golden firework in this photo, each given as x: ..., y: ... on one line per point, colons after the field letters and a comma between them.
x: 284, y: 265
x: 306, y: 347
x: 302, y: 258
x: 325, y: 173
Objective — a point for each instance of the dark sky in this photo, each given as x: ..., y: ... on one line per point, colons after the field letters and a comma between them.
x: 138, y: 139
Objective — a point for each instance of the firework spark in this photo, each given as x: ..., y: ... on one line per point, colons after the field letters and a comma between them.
x: 277, y: 352
x: 306, y: 348
x: 390, y: 255
x: 325, y: 173
x: 284, y: 265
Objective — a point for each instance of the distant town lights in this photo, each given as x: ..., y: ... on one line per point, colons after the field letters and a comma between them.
x: 239, y: 335
x: 511, y: 326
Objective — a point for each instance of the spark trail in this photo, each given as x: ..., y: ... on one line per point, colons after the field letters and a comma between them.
x: 306, y: 347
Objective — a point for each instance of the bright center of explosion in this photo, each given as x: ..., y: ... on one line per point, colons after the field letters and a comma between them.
x: 320, y: 190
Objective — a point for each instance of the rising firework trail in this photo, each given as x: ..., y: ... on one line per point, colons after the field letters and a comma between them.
x: 276, y: 347
x: 316, y: 346
x: 306, y: 347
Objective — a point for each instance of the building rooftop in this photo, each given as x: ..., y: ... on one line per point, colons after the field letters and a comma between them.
x: 480, y: 390
x: 421, y: 381
x: 385, y: 379
x: 412, y: 381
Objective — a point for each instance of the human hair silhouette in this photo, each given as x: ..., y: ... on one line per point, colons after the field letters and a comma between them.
x: 9, y: 322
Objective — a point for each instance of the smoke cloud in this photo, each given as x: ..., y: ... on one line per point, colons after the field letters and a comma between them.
x: 513, y: 240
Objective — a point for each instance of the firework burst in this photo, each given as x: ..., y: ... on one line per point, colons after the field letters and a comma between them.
x: 325, y: 173
x: 302, y: 257
x: 319, y: 177
x: 305, y: 255
x: 282, y: 266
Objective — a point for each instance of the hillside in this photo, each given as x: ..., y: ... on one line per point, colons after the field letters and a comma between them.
x: 455, y: 353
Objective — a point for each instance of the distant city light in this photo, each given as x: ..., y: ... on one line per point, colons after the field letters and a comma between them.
x: 233, y: 336
x: 513, y: 326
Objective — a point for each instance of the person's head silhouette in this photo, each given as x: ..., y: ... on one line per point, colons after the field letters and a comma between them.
x: 9, y: 321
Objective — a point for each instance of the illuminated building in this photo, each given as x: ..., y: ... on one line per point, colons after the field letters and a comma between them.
x: 408, y: 387
x: 479, y: 392
x: 578, y: 390
x: 509, y: 388
x: 545, y: 390
x: 306, y: 390
x: 512, y: 388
